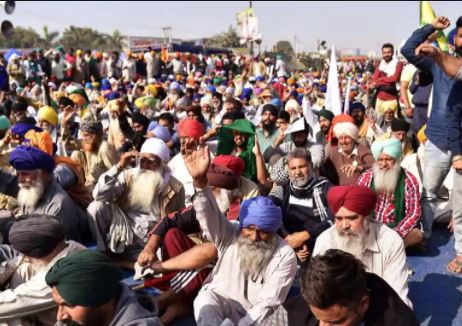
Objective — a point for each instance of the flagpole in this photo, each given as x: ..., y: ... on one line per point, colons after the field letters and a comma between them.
x: 251, y: 42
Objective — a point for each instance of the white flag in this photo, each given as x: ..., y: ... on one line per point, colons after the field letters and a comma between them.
x: 333, y: 102
x: 346, y: 105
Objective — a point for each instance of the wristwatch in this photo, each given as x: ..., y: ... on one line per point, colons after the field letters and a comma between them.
x: 355, y: 163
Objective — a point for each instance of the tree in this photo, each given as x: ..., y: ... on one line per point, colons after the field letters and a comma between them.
x: 285, y: 48
x: 82, y: 38
x: 228, y: 39
x: 48, y: 38
x: 114, y: 42
x: 21, y: 38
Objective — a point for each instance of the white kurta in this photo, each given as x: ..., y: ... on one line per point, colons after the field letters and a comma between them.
x: 247, y: 302
x: 383, y: 255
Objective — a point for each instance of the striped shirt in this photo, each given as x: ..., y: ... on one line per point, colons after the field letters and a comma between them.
x: 385, y: 207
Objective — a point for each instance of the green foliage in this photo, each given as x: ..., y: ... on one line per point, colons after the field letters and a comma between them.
x: 285, y: 48
x: 228, y: 39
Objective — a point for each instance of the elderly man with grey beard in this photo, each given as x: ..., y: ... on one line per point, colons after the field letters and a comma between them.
x: 398, y: 194
x: 129, y: 202
x: 40, y: 193
x: 255, y: 267
x: 378, y: 247
x: 303, y: 201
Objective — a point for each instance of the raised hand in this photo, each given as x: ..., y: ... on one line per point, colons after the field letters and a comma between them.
x: 441, y: 23
x: 197, y: 161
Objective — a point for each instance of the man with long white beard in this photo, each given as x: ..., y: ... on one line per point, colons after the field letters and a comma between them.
x: 255, y: 267
x: 39, y: 192
x: 129, y: 202
x: 398, y: 203
x: 303, y: 201
x: 96, y: 155
x: 379, y: 248
x: 184, y: 266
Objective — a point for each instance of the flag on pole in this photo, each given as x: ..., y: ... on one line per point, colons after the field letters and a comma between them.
x: 346, y: 103
x: 427, y: 15
x: 333, y: 101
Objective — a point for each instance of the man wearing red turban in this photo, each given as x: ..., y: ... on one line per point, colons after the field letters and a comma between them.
x: 187, y: 129
x: 380, y: 248
x: 190, y: 128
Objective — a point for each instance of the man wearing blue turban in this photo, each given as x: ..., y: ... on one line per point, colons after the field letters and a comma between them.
x: 255, y: 267
x: 39, y: 192
x: 397, y: 190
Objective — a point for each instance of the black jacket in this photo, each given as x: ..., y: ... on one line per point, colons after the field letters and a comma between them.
x: 385, y: 308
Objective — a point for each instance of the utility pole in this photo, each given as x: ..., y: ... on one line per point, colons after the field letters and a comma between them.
x: 251, y: 42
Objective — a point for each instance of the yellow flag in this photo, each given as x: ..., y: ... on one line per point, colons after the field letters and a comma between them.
x: 427, y: 15
x: 244, y: 14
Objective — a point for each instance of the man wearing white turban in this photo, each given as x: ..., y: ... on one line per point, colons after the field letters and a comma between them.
x: 397, y: 190
x: 347, y: 159
x: 128, y: 202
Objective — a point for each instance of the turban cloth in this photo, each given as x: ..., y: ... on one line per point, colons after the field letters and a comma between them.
x: 358, y: 199
x: 141, y: 119
x: 36, y: 236
x: 234, y: 163
x: 156, y: 147
x: 111, y: 96
x: 4, y: 122
x: 26, y: 158
x: 226, y: 145
x: 292, y: 105
x: 146, y: 102
x: 390, y: 147
x: 421, y: 137
x: 161, y: 132
x: 357, y: 105
x: 347, y: 128
x: 205, y: 100
x: 85, y: 278
x: 65, y: 101
x: 41, y: 140
x: 246, y: 93
x: 271, y: 108
x: 399, y: 125
x: 77, y: 99
x: 261, y: 212
x: 221, y: 177
x: 93, y: 127
x: 48, y: 114
x: 326, y: 114
x: 276, y: 102
x: 22, y: 128
x: 191, y: 128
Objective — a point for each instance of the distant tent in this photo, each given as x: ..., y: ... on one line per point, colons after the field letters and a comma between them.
x: 10, y: 52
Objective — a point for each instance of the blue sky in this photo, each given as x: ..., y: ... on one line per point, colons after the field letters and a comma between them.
x: 348, y: 24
